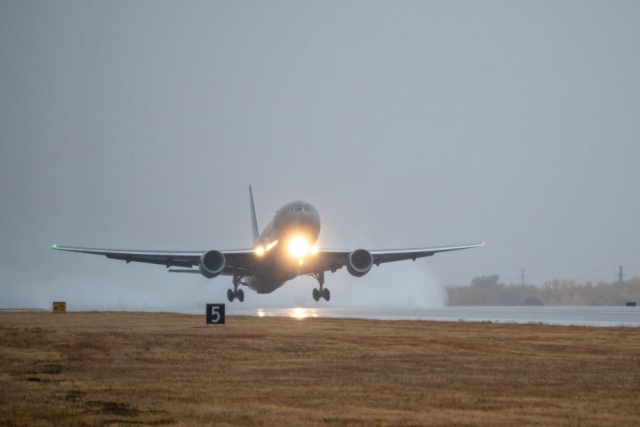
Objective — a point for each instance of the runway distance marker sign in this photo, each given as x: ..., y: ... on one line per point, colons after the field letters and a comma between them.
x: 215, y: 314
x: 59, y: 307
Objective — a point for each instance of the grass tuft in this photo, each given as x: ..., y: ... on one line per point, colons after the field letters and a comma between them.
x: 114, y: 408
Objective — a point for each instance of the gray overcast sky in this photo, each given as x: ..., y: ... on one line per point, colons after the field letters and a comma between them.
x: 139, y: 125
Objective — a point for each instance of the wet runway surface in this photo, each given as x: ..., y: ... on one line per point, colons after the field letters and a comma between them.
x: 586, y: 316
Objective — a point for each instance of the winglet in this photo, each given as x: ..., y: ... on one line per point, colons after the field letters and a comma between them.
x: 254, y: 218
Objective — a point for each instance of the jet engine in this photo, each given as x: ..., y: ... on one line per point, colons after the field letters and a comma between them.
x: 211, y: 264
x: 360, y: 262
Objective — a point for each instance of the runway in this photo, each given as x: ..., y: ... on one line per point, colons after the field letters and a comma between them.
x: 610, y: 316
x: 583, y: 316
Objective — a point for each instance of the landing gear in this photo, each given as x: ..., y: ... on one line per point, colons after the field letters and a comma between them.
x: 239, y: 295
x: 236, y: 293
x: 322, y: 292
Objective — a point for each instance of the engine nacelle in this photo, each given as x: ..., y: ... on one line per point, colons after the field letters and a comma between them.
x: 360, y: 262
x: 211, y: 264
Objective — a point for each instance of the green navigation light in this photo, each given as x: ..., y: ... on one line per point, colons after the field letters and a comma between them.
x: 54, y: 246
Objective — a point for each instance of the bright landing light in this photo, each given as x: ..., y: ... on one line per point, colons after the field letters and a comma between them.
x: 261, y: 250
x: 298, y: 247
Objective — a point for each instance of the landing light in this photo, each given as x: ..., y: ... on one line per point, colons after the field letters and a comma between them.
x: 261, y: 250
x: 313, y: 250
x: 298, y: 247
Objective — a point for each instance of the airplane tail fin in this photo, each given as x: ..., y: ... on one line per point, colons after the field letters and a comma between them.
x: 254, y: 217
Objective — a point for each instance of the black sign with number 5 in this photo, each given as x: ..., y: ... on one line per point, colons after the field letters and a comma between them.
x: 215, y: 314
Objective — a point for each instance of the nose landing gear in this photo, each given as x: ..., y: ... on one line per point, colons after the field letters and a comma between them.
x: 322, y: 292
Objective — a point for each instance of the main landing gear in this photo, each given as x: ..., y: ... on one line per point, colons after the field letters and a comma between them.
x: 236, y: 293
x: 322, y: 292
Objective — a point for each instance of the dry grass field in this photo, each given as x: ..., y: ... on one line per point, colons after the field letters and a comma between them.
x: 86, y: 369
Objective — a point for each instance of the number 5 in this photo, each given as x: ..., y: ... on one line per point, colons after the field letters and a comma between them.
x: 215, y: 314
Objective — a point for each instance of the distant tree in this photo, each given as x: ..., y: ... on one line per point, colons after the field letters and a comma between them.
x: 486, y: 291
x: 485, y: 282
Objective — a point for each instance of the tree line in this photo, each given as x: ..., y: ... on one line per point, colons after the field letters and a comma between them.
x: 487, y: 291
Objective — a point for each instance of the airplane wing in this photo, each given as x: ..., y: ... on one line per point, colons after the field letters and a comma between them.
x: 332, y: 260
x: 239, y: 261
x: 244, y: 262
x: 382, y: 256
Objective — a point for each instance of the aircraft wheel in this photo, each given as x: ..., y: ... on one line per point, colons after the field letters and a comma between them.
x: 326, y: 294
x: 230, y: 295
x: 240, y: 295
x: 316, y: 294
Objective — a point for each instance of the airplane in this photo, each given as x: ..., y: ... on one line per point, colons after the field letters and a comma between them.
x: 284, y: 250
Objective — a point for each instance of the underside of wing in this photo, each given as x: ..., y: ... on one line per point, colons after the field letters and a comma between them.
x: 332, y: 260
x: 237, y: 261
x: 390, y: 255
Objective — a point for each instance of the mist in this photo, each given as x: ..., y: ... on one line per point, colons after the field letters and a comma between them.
x: 393, y: 287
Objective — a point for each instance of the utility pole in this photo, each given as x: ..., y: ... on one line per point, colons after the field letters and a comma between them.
x: 522, y: 270
x: 620, y: 275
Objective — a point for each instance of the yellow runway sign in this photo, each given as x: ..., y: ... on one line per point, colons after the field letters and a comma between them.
x: 60, y: 307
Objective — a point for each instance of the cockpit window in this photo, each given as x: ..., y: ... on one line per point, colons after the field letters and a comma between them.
x: 299, y: 209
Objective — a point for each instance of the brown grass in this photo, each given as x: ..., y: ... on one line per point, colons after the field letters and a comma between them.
x: 83, y: 369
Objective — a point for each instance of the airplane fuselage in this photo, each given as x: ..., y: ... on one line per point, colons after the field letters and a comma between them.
x: 283, y: 246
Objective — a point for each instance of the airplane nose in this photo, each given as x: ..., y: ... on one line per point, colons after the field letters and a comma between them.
x: 303, y: 218
x: 307, y: 222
